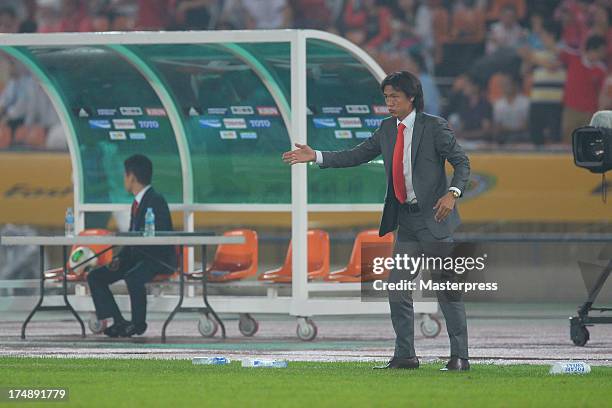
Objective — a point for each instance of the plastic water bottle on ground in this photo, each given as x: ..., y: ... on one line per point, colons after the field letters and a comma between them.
x: 69, y: 223
x: 263, y: 363
x: 210, y: 361
x: 570, y: 367
x: 149, y: 228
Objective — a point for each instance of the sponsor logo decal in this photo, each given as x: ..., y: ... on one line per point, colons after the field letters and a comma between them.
x: 137, y: 136
x: 332, y: 109
x: 210, y: 123
x: 234, y: 123
x: 242, y: 110
x: 148, y: 124
x: 343, y: 134
x: 324, y: 123
x: 372, y: 122
x: 155, y: 111
x: 267, y: 111
x: 124, y: 124
x: 260, y: 123
x: 479, y: 184
x: 216, y: 111
x: 363, y: 134
x: 248, y: 135
x: 363, y: 109
x: 192, y: 111
x: 99, y: 124
x: 107, y: 111
x: 117, y: 135
x: 82, y: 112
x: 228, y: 134
x: 130, y: 111
x: 380, y: 109
x: 349, y: 122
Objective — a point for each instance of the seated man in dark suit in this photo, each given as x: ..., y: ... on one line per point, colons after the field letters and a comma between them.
x: 136, y: 265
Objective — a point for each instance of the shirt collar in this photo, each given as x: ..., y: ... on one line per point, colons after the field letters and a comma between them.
x: 141, y: 194
x: 408, y: 120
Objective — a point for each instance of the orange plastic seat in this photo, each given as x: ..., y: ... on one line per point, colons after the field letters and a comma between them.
x: 6, y: 137
x: 318, y: 260
x: 377, y: 247
x: 21, y: 134
x: 235, y: 261
x: 36, y: 136
x: 103, y: 259
x: 182, y: 266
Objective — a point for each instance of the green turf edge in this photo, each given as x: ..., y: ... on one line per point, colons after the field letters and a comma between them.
x: 178, y: 383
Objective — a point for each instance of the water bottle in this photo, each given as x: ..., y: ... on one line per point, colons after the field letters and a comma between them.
x: 69, y: 223
x: 149, y: 228
x: 570, y: 367
x: 210, y: 361
x: 264, y: 363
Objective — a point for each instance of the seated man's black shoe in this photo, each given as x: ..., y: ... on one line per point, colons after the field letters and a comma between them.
x: 456, y: 364
x: 400, y: 362
x: 132, y: 329
x: 116, y: 329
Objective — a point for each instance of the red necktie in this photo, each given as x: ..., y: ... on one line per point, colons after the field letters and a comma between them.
x: 133, y: 217
x: 399, y: 181
x: 134, y: 208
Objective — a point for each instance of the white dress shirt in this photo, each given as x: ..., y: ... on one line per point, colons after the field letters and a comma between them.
x: 408, y: 121
x: 141, y: 194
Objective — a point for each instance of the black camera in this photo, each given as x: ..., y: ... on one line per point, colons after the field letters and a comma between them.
x: 592, y: 148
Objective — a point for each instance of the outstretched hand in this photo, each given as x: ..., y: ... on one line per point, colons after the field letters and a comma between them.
x: 303, y: 154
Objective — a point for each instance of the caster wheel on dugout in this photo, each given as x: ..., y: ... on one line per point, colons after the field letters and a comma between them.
x: 306, y: 329
x: 247, y: 325
x: 96, y: 326
x: 430, y: 326
x: 579, y: 334
x: 207, y: 326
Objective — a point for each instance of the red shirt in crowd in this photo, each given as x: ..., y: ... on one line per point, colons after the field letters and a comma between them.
x: 154, y: 14
x: 584, y: 81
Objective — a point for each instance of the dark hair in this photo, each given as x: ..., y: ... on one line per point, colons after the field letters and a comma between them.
x: 552, y: 27
x: 409, y: 84
x: 8, y: 11
x: 419, y: 61
x: 594, y: 42
x: 141, y: 167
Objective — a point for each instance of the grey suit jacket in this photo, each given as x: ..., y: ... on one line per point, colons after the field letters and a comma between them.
x: 433, y: 142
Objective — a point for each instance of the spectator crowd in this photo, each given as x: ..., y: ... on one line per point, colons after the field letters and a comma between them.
x: 511, y: 72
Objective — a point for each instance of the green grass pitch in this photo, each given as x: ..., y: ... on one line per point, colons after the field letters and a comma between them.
x: 178, y: 383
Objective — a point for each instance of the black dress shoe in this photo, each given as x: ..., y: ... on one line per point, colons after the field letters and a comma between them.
x: 456, y: 364
x: 400, y: 362
x: 132, y: 329
x: 116, y: 329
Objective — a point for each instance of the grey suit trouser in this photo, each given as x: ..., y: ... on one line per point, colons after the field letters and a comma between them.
x: 414, y: 239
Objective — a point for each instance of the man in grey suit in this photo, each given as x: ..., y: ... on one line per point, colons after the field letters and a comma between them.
x: 419, y: 203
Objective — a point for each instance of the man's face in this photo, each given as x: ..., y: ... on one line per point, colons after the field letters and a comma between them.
x: 398, y: 103
x: 507, y: 86
x: 508, y: 18
x: 128, y: 181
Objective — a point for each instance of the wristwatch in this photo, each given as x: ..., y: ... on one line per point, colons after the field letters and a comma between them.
x: 455, y: 193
